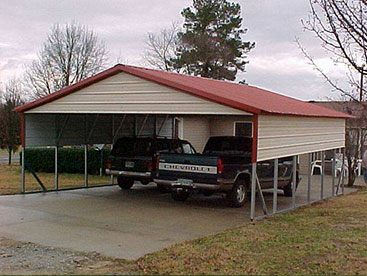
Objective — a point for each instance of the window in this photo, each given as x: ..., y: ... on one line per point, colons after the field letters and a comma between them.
x: 187, y: 149
x: 243, y: 129
x: 177, y: 128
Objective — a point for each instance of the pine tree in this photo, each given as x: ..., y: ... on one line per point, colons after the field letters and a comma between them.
x: 211, y: 43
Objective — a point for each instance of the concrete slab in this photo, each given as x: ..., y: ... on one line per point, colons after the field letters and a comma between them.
x: 125, y: 224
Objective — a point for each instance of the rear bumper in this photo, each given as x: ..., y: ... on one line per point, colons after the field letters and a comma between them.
x: 129, y: 174
x: 200, y: 186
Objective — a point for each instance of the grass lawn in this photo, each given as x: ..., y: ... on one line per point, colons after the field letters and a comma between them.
x: 10, y: 177
x: 326, y: 238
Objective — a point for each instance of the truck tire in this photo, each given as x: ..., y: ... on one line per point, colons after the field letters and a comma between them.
x: 125, y: 183
x: 238, y: 196
x: 180, y: 195
x: 144, y: 182
x: 288, y: 189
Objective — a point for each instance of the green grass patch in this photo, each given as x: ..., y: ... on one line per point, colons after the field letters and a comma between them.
x: 10, y: 180
x: 326, y: 238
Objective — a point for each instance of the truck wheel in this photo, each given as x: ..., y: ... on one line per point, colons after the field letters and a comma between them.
x: 125, y: 183
x: 288, y: 189
x: 238, y: 196
x: 145, y: 182
x: 180, y: 195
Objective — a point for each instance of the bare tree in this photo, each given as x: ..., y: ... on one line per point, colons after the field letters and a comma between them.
x: 70, y: 54
x: 11, y: 97
x: 340, y: 26
x: 161, y: 48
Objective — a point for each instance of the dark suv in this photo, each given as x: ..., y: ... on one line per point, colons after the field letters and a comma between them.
x: 133, y: 159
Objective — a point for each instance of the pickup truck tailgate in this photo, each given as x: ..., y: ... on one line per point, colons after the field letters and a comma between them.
x: 195, y: 167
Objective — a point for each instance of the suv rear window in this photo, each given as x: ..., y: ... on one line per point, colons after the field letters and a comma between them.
x: 147, y: 147
x: 133, y: 147
x: 228, y: 145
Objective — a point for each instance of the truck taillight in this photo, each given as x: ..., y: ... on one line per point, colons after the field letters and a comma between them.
x: 220, y: 166
x: 150, y: 165
x: 157, y: 162
x: 108, y: 164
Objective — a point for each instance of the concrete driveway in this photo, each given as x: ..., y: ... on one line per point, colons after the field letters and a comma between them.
x: 125, y: 224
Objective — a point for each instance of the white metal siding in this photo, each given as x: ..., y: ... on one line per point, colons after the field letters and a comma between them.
x: 196, y: 130
x: 280, y: 136
x: 224, y: 126
x: 124, y: 93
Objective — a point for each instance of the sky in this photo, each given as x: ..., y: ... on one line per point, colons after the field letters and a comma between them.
x: 276, y: 63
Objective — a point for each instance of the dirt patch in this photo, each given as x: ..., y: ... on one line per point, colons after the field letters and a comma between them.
x: 28, y: 258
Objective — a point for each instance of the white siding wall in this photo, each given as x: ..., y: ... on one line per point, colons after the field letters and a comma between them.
x: 224, y: 126
x: 196, y: 130
x: 124, y: 93
x: 280, y: 136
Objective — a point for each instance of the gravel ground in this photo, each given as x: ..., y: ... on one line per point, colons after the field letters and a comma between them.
x: 29, y: 258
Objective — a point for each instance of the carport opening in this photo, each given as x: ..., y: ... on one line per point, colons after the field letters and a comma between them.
x: 77, y: 146
x: 90, y: 132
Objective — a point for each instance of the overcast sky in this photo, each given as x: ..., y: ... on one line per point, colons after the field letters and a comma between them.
x: 276, y: 63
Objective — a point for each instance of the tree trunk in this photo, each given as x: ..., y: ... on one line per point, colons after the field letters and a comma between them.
x: 9, y: 159
x: 351, y: 175
x: 351, y: 179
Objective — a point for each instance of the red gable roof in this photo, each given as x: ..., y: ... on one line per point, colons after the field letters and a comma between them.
x: 247, y: 98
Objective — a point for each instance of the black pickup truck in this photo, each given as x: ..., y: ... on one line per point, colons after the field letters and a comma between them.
x: 224, y: 166
x: 133, y: 158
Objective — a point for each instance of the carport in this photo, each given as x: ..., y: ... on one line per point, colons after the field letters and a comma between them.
x: 133, y: 101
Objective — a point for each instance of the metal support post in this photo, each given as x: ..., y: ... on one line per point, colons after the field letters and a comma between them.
x: 294, y: 181
x: 155, y: 126
x: 309, y: 179
x: 253, y: 191
x: 143, y: 124
x: 101, y: 163
x: 333, y: 173
x: 343, y: 170
x: 322, y: 174
x: 275, y: 191
x: 23, y: 170
x: 135, y: 125
x: 86, y: 166
x: 56, y: 180
x: 115, y: 134
x: 112, y: 180
x: 265, y: 210
x: 162, y: 125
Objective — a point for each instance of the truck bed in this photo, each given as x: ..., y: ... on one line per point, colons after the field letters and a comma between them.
x: 197, y: 167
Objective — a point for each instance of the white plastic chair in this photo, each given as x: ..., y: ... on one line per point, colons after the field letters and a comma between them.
x: 339, y: 165
x: 316, y: 164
